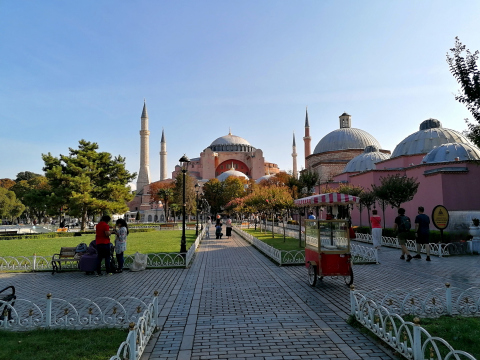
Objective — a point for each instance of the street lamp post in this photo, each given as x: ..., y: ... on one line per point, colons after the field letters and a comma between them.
x: 197, y: 190
x: 184, y: 161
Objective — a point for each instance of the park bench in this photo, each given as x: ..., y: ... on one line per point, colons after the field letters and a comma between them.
x: 167, y: 226
x: 67, y: 254
x: 8, y: 233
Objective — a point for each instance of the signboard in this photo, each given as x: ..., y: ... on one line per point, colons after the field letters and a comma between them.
x: 440, y: 217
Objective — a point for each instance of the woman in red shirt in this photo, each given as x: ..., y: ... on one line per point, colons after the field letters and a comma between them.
x: 102, y: 241
x: 376, y: 222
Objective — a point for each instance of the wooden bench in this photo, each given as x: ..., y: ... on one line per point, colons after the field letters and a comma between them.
x: 167, y: 226
x: 67, y: 254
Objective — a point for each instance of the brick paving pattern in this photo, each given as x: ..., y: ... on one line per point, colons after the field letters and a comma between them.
x: 234, y: 303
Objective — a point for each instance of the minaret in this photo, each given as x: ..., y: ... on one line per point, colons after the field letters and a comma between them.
x: 307, y: 138
x: 294, y: 156
x: 144, y: 172
x: 163, y: 158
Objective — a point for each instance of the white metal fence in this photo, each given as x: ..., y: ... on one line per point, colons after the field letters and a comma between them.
x: 44, y: 263
x: 360, y: 254
x: 407, y: 338
x: 435, y: 249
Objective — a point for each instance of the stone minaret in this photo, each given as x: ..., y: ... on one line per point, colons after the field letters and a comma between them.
x: 294, y: 156
x: 144, y: 173
x: 163, y: 158
x: 307, y: 138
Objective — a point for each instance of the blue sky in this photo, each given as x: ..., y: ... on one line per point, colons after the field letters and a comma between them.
x: 72, y: 70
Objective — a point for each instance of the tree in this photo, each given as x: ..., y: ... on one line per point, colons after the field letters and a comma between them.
x: 344, y: 210
x: 367, y: 199
x: 166, y: 195
x: 308, y: 180
x: 396, y: 189
x: 10, y: 206
x: 35, y: 195
x: 463, y: 66
x: 190, y: 195
x: 88, y: 182
x: 213, y: 192
x: 6, y: 183
x: 26, y: 175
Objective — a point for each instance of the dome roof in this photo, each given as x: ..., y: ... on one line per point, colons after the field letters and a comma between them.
x: 449, y: 152
x: 231, y: 143
x: 264, y: 177
x: 223, y: 176
x: 344, y: 139
x: 367, y: 160
x: 430, y: 135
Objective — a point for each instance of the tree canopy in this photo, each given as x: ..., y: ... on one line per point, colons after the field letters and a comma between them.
x: 10, y: 206
x: 463, y: 66
x: 396, y: 189
x: 88, y: 182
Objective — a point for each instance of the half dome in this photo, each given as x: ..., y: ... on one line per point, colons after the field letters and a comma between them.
x: 367, y: 160
x: 223, y: 176
x: 345, y: 139
x: 452, y: 152
x: 430, y: 136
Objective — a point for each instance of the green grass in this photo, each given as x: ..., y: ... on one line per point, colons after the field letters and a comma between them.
x: 98, y: 344
x: 277, y: 242
x: 143, y: 242
x: 462, y: 333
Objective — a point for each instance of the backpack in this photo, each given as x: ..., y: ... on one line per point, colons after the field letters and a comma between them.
x: 405, y: 224
x: 81, y: 248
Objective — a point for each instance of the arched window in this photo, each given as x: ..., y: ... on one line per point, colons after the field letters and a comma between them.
x: 149, y: 218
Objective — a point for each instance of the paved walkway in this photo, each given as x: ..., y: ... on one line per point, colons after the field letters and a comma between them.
x: 233, y: 303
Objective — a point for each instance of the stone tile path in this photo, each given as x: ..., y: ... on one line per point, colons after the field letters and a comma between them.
x: 233, y: 303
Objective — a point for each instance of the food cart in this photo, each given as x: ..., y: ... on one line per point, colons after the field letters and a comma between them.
x: 327, y: 242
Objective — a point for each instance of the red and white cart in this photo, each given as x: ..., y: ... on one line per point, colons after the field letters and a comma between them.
x: 327, y: 242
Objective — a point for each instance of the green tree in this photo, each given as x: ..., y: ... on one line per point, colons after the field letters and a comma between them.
x: 463, y: 66
x: 396, y: 189
x: 308, y: 180
x: 26, y: 175
x: 367, y: 199
x: 10, y: 206
x: 166, y: 196
x: 190, y: 195
x: 35, y: 195
x: 88, y: 181
x: 213, y: 193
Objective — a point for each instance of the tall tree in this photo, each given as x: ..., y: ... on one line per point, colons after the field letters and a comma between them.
x: 396, y: 189
x: 308, y: 180
x: 190, y: 195
x: 367, y: 199
x: 88, y: 181
x: 10, y: 206
x: 35, y: 195
x: 26, y: 175
x: 463, y: 65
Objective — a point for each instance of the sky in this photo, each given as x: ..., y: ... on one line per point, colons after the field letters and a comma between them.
x: 72, y: 70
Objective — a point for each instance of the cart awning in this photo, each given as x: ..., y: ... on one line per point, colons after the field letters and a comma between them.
x: 327, y: 199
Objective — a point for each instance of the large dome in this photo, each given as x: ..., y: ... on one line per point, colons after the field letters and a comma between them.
x: 345, y: 139
x: 452, y: 152
x: 231, y: 143
x: 223, y: 176
x: 367, y: 160
x: 430, y: 135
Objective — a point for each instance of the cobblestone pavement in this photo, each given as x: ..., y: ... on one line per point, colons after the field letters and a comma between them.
x: 234, y: 303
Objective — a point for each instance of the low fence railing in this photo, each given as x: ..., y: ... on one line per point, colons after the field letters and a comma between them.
x: 44, y: 263
x: 407, y: 338
x: 435, y: 249
x: 140, y: 316
x: 360, y: 254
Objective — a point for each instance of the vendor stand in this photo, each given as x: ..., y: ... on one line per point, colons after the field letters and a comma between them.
x: 327, y: 242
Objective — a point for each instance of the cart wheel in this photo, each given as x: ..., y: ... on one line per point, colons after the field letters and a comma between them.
x: 312, y: 275
x: 349, y: 279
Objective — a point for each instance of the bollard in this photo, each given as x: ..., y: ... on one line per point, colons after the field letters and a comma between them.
x: 34, y: 265
x: 417, y: 340
x: 448, y: 297
x: 48, y: 313
x: 132, y: 342
x: 352, y: 300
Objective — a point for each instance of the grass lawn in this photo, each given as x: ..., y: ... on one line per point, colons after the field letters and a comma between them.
x: 277, y: 242
x: 143, y: 242
x: 98, y: 344
x: 462, y: 333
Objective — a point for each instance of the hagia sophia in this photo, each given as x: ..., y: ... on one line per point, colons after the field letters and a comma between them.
x: 443, y: 161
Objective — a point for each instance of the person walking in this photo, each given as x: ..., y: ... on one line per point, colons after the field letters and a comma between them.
x: 376, y: 222
x: 102, y: 240
x: 228, y: 225
x: 422, y: 233
x: 207, y: 230
x: 402, y: 226
x: 121, y: 242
